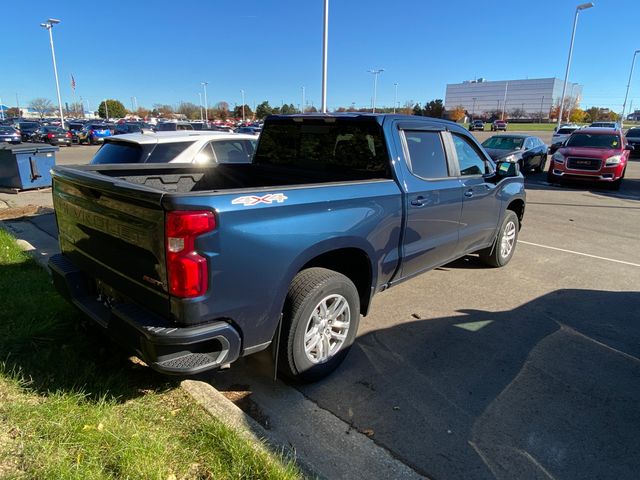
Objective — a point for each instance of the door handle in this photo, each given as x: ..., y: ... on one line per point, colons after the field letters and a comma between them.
x: 469, y: 193
x: 418, y: 202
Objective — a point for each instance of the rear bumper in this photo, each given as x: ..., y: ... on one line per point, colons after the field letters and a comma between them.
x: 164, y: 346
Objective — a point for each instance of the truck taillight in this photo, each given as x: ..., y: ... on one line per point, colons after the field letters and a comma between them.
x: 187, y: 271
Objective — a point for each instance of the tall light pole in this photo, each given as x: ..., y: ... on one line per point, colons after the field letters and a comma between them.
x: 206, y: 107
x: 242, y: 92
x: 325, y: 44
x: 395, y: 101
x: 375, y: 74
x: 49, y: 26
x: 201, y: 115
x: 583, y: 6
x: 624, y: 105
x: 303, y: 100
x: 504, y: 102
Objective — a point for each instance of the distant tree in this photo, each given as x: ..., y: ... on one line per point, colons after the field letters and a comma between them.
x: 76, y: 109
x: 592, y: 114
x: 43, y: 106
x: 290, y: 108
x: 115, y: 109
x: 518, y: 113
x: 12, y: 112
x: 142, y: 112
x: 237, y: 112
x: 613, y: 116
x: 457, y: 113
x: 434, y: 108
x: 313, y: 109
x: 577, y: 115
x: 263, y: 109
x: 407, y: 108
x: 162, y: 110
x: 221, y: 110
x: 417, y: 109
x: 189, y: 109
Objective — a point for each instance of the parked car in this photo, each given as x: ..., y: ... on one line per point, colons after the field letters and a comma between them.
x: 592, y: 154
x: 249, y: 130
x: 52, y: 135
x: 194, y: 266
x: 498, y: 125
x: 9, y: 135
x: 93, y: 133
x: 605, y: 125
x: 476, y: 125
x: 527, y: 151
x: 560, y: 136
x: 75, y: 128
x: 633, y: 138
x: 173, y: 126
x: 27, y: 129
x: 177, y: 147
x: 124, y: 128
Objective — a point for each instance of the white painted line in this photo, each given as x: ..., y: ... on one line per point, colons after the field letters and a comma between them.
x: 580, y: 253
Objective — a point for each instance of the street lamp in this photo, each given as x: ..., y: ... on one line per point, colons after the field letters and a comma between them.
x: 201, y: 115
x: 395, y: 102
x: 242, y: 92
x: 325, y: 42
x: 375, y: 74
x: 583, y: 6
x: 49, y: 26
x: 206, y: 107
x: 303, y: 100
x: 624, y: 105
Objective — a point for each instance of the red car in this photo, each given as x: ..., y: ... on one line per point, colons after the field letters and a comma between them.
x: 592, y: 154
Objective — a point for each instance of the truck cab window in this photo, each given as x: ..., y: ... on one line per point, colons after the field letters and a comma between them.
x: 426, y: 154
x: 470, y: 161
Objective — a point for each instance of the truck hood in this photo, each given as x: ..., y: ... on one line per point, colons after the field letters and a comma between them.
x: 589, y: 152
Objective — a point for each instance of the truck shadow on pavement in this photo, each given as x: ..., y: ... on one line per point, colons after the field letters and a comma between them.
x: 547, y: 390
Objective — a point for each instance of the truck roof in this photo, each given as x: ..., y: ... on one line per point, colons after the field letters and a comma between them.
x: 379, y: 117
x: 177, y: 136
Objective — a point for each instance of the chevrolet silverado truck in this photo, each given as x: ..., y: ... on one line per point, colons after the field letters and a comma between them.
x: 193, y: 266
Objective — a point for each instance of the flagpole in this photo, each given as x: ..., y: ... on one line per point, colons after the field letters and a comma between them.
x: 73, y: 91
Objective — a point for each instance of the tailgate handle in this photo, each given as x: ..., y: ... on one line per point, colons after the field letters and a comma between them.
x: 35, y: 173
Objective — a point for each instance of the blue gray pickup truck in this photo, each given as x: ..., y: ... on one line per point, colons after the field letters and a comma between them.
x: 193, y: 266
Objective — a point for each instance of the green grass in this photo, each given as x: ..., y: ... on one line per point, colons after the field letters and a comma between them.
x: 72, y: 406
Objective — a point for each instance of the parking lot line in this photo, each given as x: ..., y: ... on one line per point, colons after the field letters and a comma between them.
x: 580, y: 253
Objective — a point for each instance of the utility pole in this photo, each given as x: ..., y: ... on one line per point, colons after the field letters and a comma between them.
x: 325, y: 45
x: 375, y: 74
x: 201, y: 115
x: 303, y: 101
x: 49, y: 26
x: 242, y: 92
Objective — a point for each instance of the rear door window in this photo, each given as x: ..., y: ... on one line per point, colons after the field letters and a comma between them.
x: 426, y: 154
x: 165, y: 152
x: 233, y: 151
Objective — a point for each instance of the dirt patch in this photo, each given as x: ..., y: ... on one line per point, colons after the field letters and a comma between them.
x: 240, y: 395
x: 14, y: 213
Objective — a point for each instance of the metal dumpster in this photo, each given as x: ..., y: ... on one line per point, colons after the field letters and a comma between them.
x: 26, y: 165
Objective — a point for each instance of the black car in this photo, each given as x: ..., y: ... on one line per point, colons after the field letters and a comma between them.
x: 633, y: 137
x: 53, y: 136
x: 9, y: 135
x: 476, y: 125
x: 528, y: 152
x: 27, y: 129
x: 129, y: 127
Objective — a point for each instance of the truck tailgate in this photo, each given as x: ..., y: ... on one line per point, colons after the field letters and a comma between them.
x: 113, y: 231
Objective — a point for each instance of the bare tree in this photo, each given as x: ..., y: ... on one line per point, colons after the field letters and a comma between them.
x: 43, y: 106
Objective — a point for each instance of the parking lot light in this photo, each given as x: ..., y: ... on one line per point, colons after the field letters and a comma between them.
x: 580, y: 7
x: 624, y: 105
x: 49, y: 26
x: 206, y: 107
x: 375, y: 74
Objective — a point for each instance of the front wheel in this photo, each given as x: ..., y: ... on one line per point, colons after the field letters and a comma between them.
x: 543, y: 162
x: 319, y: 324
x: 505, y: 244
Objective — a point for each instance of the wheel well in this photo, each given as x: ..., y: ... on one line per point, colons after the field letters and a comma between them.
x: 518, y: 207
x: 354, y: 264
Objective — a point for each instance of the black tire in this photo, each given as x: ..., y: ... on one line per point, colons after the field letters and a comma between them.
x: 500, y: 254
x: 615, y: 185
x: 309, y: 290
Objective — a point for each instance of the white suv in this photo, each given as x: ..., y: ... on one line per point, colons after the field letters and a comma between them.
x: 177, y: 147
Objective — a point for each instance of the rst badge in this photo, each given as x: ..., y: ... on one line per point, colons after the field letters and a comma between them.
x: 251, y: 200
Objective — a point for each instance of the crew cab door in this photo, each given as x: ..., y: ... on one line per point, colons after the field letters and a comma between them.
x: 480, y: 205
x: 433, y: 202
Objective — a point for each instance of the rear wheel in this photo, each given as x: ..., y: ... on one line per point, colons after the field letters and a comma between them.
x: 319, y: 324
x: 541, y: 165
x: 505, y: 244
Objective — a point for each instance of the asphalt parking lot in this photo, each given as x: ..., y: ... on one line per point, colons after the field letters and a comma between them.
x: 529, y: 371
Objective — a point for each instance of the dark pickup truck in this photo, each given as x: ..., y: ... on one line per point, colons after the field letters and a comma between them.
x: 193, y: 266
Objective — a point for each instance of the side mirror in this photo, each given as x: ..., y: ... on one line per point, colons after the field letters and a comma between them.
x: 629, y: 147
x: 507, y: 169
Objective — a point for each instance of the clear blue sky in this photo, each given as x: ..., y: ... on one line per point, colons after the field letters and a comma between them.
x: 160, y: 51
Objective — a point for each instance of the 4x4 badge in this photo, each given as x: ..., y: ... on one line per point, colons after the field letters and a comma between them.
x: 249, y: 201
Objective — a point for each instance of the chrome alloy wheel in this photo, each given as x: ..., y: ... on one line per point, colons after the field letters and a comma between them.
x: 327, y: 328
x: 508, y: 239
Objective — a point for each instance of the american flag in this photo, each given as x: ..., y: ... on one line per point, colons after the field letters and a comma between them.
x: 73, y: 82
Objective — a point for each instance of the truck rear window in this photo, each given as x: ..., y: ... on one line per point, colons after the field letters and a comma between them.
x: 316, y: 144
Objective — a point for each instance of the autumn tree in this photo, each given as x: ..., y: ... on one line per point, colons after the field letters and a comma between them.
x: 237, y: 112
x: 189, y: 109
x: 457, y: 113
x: 577, y: 115
x: 12, y: 112
x: 221, y: 110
